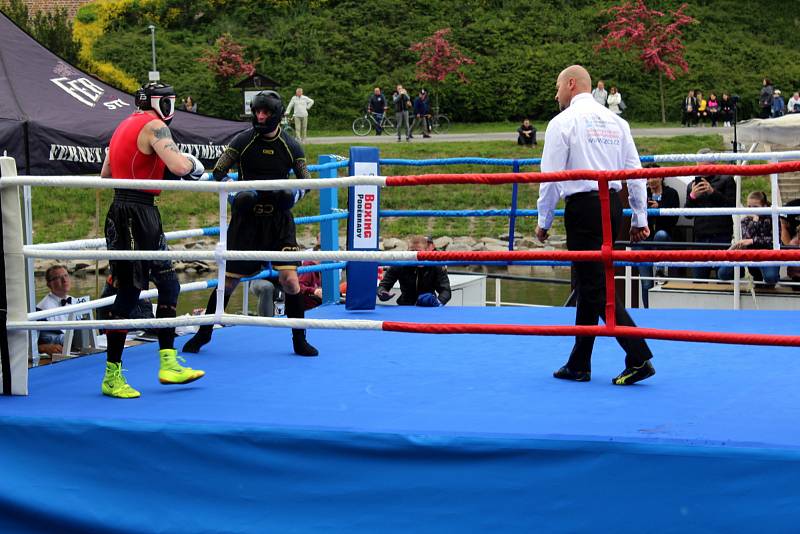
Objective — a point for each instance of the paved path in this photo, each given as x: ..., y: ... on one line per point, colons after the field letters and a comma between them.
x: 508, y: 136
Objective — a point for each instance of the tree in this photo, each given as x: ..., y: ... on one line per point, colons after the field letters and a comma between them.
x: 53, y: 28
x: 227, y: 61
x: 438, y: 59
x: 650, y: 33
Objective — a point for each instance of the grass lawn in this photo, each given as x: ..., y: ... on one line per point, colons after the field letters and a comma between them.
x: 63, y: 214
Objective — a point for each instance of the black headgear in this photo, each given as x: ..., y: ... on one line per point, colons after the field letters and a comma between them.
x: 271, y: 102
x: 159, y: 97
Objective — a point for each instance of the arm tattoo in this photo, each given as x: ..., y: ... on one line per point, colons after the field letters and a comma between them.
x: 301, y: 169
x: 173, y: 147
x: 226, y: 161
x: 162, y: 133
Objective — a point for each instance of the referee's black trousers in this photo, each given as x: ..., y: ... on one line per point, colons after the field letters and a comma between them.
x: 585, y: 232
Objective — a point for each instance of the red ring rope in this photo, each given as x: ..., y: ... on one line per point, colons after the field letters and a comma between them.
x: 600, y: 176
x: 605, y: 255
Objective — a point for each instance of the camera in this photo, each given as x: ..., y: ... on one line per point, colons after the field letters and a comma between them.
x: 735, y: 100
x: 698, y: 179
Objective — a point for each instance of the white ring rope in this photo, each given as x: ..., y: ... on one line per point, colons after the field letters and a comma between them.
x: 106, y: 301
x: 178, y: 185
x: 727, y: 156
x: 100, y: 242
x: 211, y: 255
x: 199, y: 320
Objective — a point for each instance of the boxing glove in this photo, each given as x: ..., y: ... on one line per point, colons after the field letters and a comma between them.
x: 428, y: 300
x: 198, y: 171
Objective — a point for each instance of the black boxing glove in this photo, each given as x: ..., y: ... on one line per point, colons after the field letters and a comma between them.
x: 244, y: 201
x: 287, y: 198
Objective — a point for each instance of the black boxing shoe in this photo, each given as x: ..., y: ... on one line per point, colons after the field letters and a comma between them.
x: 194, y: 345
x: 631, y: 375
x: 565, y: 373
x: 303, y: 347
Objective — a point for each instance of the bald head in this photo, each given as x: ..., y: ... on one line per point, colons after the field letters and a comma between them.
x: 572, y: 81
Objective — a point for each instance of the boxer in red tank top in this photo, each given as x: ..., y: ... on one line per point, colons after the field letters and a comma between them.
x: 142, y: 148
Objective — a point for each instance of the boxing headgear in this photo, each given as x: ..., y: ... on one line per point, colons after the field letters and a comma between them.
x: 158, y: 97
x: 271, y: 102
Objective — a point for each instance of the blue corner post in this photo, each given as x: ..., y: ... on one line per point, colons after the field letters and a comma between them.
x: 329, y: 231
x: 512, y: 220
x: 363, y: 224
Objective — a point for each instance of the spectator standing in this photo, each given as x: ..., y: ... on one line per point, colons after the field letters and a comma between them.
x: 689, y: 115
x: 422, y: 113
x: 59, y: 283
x: 377, y: 107
x: 402, y: 104
x: 662, y: 227
x: 600, y: 94
x: 793, y: 105
x: 756, y: 234
x: 765, y: 98
x: 189, y: 105
x: 713, y: 109
x: 726, y: 109
x: 426, y: 286
x: 615, y: 101
x: 300, y: 104
x: 778, y: 106
x: 526, y: 134
x: 717, y: 191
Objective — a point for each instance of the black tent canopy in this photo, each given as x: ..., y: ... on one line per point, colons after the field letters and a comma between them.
x: 56, y: 119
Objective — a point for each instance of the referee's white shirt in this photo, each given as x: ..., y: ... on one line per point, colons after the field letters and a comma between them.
x: 587, y: 135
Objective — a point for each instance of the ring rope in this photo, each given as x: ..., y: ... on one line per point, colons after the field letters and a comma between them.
x: 438, y: 255
x: 424, y: 328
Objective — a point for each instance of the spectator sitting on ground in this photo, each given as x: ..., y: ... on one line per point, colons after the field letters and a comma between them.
x: 711, y: 192
x: 426, y: 286
x: 662, y: 227
x: 756, y: 234
x: 526, y: 134
x: 59, y: 282
x: 726, y: 109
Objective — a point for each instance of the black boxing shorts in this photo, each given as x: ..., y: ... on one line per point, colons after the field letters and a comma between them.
x: 260, y: 227
x: 133, y: 222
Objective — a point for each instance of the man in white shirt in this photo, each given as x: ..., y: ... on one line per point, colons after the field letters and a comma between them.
x: 59, y: 283
x: 300, y: 104
x: 586, y: 135
x: 600, y: 94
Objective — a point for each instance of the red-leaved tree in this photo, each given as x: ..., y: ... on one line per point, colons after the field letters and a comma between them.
x: 655, y: 37
x: 439, y: 58
x: 226, y: 60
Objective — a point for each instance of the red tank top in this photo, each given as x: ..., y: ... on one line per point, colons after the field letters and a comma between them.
x: 126, y: 160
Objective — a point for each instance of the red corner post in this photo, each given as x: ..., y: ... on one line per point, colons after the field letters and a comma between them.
x: 606, y: 251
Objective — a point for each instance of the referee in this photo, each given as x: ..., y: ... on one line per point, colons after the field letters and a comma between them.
x: 586, y: 135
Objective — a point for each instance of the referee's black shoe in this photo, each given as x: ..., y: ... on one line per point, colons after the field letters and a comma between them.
x: 631, y: 375
x: 565, y: 373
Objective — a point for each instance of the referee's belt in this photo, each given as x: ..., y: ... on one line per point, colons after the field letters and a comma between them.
x: 587, y: 194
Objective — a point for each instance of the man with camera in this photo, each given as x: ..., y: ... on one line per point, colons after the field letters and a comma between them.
x: 715, y: 191
x: 402, y: 104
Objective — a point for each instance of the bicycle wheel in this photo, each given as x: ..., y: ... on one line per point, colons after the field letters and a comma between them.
x: 389, y: 127
x: 361, y: 126
x: 441, y: 124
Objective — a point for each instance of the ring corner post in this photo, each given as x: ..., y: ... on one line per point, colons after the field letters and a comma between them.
x: 13, y: 344
x: 329, y: 230
x: 363, y: 225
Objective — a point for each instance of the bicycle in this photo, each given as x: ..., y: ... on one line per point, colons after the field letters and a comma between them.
x: 440, y: 124
x: 363, y: 125
x: 286, y: 126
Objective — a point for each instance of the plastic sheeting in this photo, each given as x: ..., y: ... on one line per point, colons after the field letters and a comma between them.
x: 784, y: 131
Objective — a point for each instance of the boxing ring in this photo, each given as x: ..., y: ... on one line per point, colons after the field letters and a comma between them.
x: 397, y: 430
